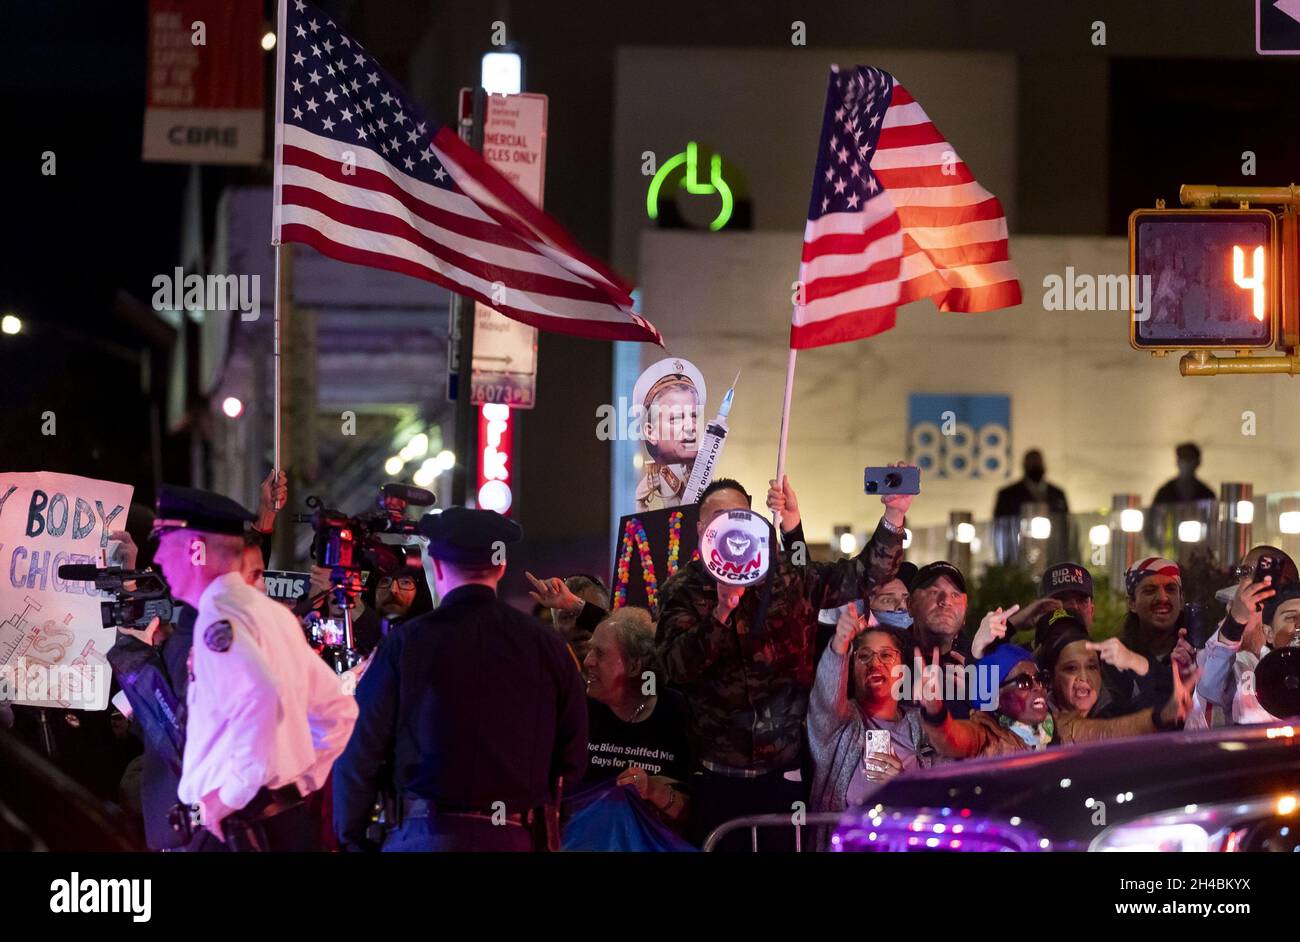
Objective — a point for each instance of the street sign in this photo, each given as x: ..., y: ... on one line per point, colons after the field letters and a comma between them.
x: 505, y: 350
x: 204, y: 82
x: 1204, y: 278
x: 1277, y: 27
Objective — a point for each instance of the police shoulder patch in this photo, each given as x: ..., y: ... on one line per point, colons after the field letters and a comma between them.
x: 219, y: 636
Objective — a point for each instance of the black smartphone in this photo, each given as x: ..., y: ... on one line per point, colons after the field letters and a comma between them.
x: 882, y: 481
x: 1268, y: 566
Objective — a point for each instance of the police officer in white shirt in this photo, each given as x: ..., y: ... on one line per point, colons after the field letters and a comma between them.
x: 266, y: 718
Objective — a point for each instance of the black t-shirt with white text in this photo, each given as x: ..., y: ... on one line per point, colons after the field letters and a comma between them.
x: 657, y: 744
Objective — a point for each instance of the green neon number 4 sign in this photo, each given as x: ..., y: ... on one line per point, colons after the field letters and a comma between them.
x: 687, y: 162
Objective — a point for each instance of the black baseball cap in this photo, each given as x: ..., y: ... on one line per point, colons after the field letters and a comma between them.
x: 1285, y: 592
x: 1053, y: 633
x: 1064, y: 579
x: 931, y: 572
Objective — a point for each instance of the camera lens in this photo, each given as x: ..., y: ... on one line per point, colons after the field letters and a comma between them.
x: 872, y: 487
x: 894, y: 480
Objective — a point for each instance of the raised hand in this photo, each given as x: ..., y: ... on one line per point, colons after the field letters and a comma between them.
x: 993, y: 627
x: 553, y: 593
x: 782, y: 500
x: 897, y: 505
x: 848, y: 626
x: 927, y: 681
x: 1247, y: 604
x: 1114, y: 653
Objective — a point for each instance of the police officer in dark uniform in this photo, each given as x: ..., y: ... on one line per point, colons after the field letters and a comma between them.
x: 477, y: 709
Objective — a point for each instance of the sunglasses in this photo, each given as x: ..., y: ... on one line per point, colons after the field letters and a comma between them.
x: 888, y: 658
x: 1027, y: 681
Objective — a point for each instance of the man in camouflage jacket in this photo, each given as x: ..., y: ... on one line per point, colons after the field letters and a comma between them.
x: 747, y: 686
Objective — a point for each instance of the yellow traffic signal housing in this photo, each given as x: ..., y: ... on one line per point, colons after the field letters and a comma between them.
x: 1204, y: 278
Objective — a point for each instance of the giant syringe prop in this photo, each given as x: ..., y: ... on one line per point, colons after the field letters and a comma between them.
x: 706, y: 458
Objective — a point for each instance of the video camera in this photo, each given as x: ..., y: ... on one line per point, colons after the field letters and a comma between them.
x: 352, y: 544
x: 133, y: 608
x: 347, y: 545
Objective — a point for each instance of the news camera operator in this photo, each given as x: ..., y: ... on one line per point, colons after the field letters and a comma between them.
x: 342, y: 615
x: 747, y: 678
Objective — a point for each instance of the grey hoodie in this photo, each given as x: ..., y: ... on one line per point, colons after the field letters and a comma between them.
x: 836, y: 732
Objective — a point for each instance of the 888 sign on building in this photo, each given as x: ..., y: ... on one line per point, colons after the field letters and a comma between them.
x: 961, y: 437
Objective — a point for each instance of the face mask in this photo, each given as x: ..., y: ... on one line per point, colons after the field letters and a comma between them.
x: 894, y: 619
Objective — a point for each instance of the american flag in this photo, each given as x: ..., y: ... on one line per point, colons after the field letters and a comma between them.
x: 895, y: 216
x: 363, y: 177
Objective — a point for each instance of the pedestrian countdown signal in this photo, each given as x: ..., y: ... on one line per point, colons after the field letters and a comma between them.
x: 1203, y: 278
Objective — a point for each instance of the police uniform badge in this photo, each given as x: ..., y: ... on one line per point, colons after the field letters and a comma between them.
x: 219, y: 636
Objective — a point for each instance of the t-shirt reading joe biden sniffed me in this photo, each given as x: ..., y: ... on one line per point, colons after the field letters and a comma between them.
x: 657, y: 744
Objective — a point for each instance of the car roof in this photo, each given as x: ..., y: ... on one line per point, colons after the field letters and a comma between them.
x: 1057, y: 790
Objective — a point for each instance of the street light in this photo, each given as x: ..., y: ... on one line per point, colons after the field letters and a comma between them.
x: 1130, y: 520
x: 393, y: 466
x: 1040, y: 528
x: 11, y: 324
x: 502, y: 73
x: 232, y: 407
x: 426, y: 473
x: 1099, y: 535
x: 1190, y: 531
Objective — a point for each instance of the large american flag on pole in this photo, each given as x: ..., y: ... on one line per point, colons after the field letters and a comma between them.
x: 895, y: 216
x: 362, y: 176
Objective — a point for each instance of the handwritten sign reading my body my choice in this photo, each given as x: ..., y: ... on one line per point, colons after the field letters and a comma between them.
x: 52, y: 639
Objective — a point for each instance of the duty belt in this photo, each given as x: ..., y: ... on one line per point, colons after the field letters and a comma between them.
x: 729, y: 772
x: 423, y: 808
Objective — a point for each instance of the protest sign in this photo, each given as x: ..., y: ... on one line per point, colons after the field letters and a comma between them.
x: 52, y: 638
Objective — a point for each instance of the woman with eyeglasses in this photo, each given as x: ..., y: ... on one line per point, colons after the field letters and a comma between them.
x: 859, y: 733
x: 1023, y: 719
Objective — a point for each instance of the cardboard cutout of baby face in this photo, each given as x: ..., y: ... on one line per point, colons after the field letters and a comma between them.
x: 671, y: 395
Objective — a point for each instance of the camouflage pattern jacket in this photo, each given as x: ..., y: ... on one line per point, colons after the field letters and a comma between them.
x: 747, y: 690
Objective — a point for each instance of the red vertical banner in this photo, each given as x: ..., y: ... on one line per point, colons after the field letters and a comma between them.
x: 204, y: 91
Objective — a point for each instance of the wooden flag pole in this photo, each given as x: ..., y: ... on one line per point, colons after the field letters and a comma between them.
x: 785, y: 430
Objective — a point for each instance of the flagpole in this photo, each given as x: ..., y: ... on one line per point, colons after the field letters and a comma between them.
x: 278, y: 335
x: 282, y: 276
x: 785, y: 430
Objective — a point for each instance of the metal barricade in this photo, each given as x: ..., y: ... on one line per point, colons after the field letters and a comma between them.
x: 755, y: 821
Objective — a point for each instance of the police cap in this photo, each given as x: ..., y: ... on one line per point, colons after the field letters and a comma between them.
x: 468, y: 537
x: 188, y: 508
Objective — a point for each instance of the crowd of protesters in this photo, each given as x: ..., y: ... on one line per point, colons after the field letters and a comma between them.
x: 818, y: 710
x: 825, y: 680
